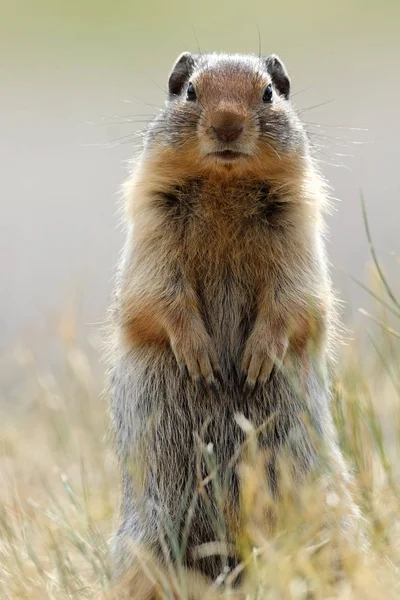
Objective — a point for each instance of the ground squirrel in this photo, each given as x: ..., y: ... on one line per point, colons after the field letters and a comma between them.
x: 223, y: 301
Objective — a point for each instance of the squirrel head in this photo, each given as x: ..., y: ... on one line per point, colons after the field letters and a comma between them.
x: 229, y: 110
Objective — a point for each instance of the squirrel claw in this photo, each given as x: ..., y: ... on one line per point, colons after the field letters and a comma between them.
x: 218, y: 376
x: 242, y: 380
x: 248, y: 387
x: 201, y: 383
x: 205, y: 386
x: 214, y: 389
x: 183, y: 369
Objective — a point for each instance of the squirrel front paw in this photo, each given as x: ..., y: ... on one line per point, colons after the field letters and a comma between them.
x: 196, y: 353
x: 262, y: 352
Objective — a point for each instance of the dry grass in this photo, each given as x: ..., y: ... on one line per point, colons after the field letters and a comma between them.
x: 59, y: 485
x: 58, y: 479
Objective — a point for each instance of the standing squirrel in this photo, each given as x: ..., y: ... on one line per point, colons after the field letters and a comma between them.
x: 223, y: 305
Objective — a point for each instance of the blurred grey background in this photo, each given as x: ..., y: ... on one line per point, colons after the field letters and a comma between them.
x: 73, y: 74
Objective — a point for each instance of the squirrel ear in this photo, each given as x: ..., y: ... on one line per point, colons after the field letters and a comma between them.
x: 279, y: 76
x: 180, y: 73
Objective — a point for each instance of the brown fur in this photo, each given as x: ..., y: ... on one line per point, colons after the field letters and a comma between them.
x: 224, y: 277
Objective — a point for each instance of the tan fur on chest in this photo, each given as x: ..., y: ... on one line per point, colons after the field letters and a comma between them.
x: 228, y: 221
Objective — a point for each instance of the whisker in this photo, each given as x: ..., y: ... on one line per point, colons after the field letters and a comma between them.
x: 141, y: 102
x: 303, y: 110
x: 134, y: 121
x: 125, y: 137
x: 259, y: 42
x: 331, y: 164
x: 197, y: 41
x: 300, y: 91
x: 322, y: 136
x: 345, y: 128
x: 341, y: 142
x: 164, y: 90
x: 270, y: 146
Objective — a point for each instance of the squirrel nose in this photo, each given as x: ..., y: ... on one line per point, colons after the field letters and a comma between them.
x: 227, y: 132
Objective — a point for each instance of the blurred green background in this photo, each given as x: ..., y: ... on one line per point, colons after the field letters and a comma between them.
x: 73, y: 74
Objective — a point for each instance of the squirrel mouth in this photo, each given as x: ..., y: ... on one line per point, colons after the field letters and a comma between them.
x: 228, y: 155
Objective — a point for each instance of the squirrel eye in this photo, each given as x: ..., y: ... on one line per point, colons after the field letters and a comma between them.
x: 267, y: 96
x: 191, y: 92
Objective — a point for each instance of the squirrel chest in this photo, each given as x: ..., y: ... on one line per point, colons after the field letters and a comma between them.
x: 238, y: 225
